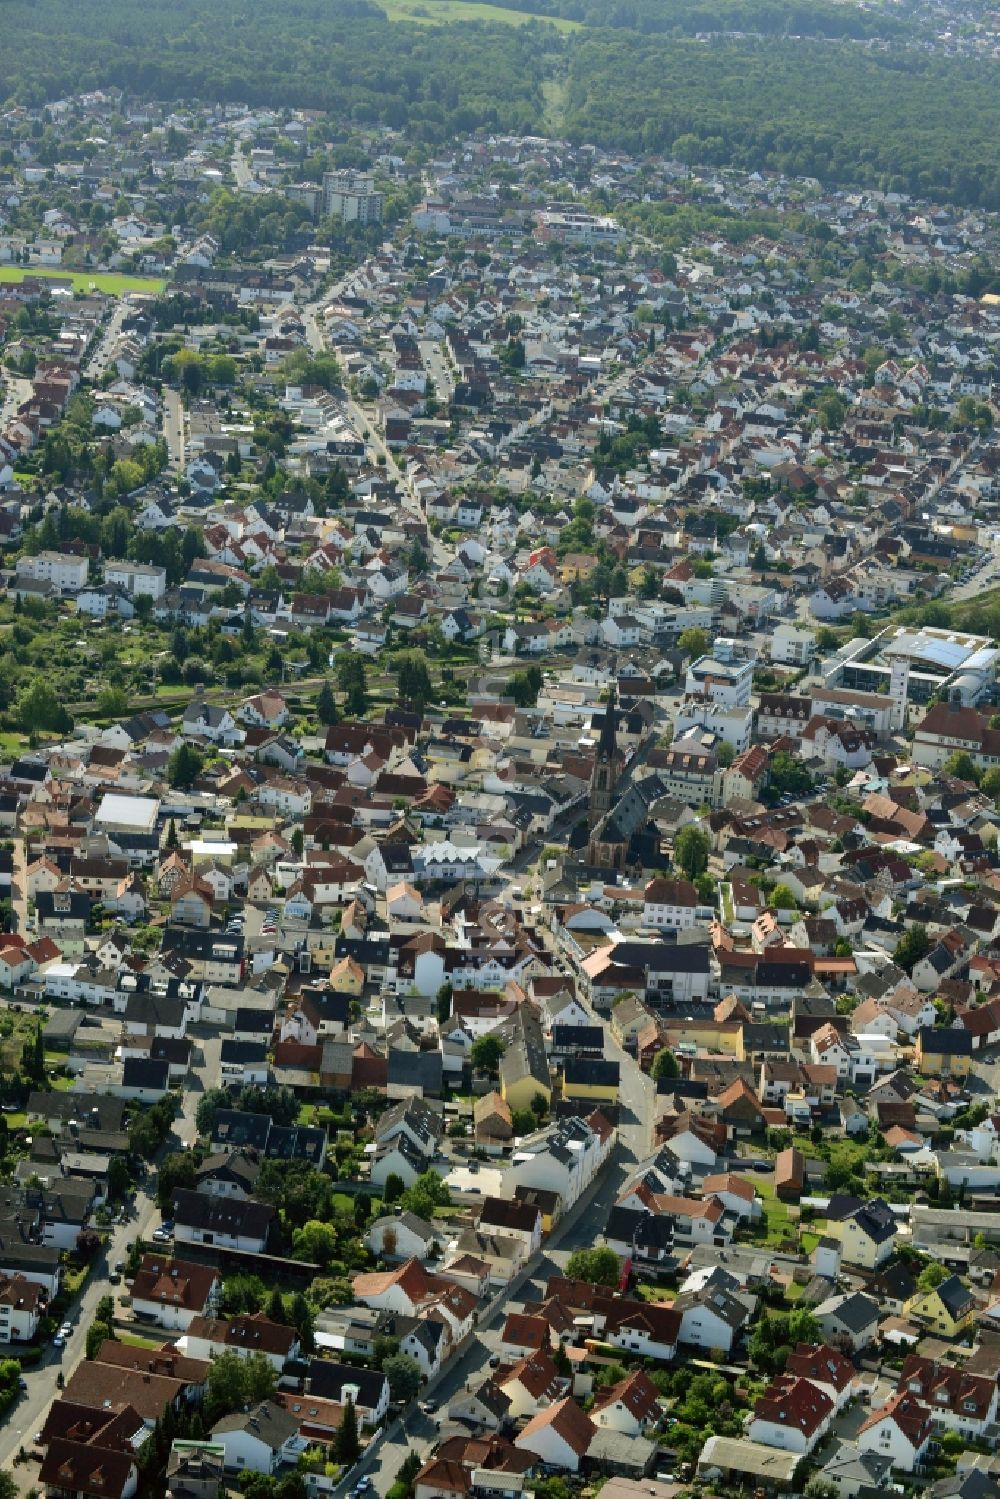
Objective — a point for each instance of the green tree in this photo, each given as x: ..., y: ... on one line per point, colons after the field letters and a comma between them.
x: 962, y: 766
x: 600, y: 1267
x: 39, y: 710
x: 119, y: 1180
x: 413, y: 678
x: 486, y: 1053
x: 348, y: 1443
x: 185, y: 766
x: 326, y: 705
x: 315, y: 1242
x: 931, y: 1276
x: 691, y: 850
x: 234, y: 1381
x: 393, y: 1189
x: 782, y: 899
x: 403, y: 1374
x: 693, y: 642
x: 664, y: 1065
x: 427, y: 1193
x: 112, y: 702
x: 912, y: 946
x: 176, y: 1170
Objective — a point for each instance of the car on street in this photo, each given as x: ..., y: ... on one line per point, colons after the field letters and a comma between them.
x: 66, y: 1329
x: 167, y: 1225
x: 428, y: 1407
x: 59, y: 1341
x: 160, y: 1236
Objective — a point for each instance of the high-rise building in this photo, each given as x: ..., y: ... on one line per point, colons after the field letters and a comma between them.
x: 351, y: 197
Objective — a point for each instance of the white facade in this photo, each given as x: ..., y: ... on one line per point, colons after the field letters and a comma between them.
x: 137, y: 578
x: 68, y: 574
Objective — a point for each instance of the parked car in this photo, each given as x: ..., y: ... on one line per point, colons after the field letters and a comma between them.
x: 428, y: 1407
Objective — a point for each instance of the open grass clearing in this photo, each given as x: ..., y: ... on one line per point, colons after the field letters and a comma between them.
x: 441, y: 12
x: 111, y: 282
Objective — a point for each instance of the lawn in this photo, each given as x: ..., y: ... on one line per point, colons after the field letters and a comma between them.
x: 134, y: 1342
x: 439, y: 12
x: 107, y: 281
x: 775, y: 1212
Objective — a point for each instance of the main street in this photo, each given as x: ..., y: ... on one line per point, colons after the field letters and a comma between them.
x: 580, y: 1229
x: 173, y: 427
x: 28, y: 1415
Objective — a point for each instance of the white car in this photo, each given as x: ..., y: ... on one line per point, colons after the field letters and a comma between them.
x: 66, y: 1330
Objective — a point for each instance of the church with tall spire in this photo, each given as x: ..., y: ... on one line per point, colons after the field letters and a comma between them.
x: 607, y: 766
x: 607, y: 845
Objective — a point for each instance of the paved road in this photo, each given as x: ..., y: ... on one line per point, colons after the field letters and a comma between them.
x: 580, y: 1230
x: 173, y: 427
x: 241, y: 168
x: 29, y: 1414
x: 97, y: 364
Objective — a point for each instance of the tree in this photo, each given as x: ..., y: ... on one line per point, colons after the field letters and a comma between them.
x: 352, y: 680
x: 442, y: 1002
x: 961, y: 766
x: 413, y: 678
x: 394, y: 1188
x: 39, y: 710
x: 598, y: 1266
x: 524, y: 686
x: 486, y: 1053
x: 176, y: 1170
x: 931, y: 1276
x: 326, y: 705
x: 348, y: 1442
x: 782, y: 899
x: 427, y: 1193
x: 314, y: 1241
x: 234, y: 1381
x: 185, y: 766
x: 691, y: 849
x: 788, y: 775
x: 523, y: 1122
x: 826, y: 640
x: 97, y: 1332
x: 912, y: 946
x: 403, y: 1374
x: 119, y: 1180
x: 693, y: 642
x: 112, y: 702
x: 664, y: 1065
x: 209, y: 1105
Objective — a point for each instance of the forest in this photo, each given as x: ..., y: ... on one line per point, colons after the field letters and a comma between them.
x: 801, y: 92
x: 906, y: 120
x: 343, y: 56
x: 824, y: 18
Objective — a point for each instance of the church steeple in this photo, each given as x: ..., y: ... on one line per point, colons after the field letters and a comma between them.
x: 607, y: 765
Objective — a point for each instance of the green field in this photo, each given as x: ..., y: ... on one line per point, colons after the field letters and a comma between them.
x: 106, y: 281
x: 440, y: 12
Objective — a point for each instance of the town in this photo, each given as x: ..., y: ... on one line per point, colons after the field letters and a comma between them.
x: 500, y: 793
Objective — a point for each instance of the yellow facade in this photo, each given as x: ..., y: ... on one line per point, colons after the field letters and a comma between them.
x: 927, y: 1307
x: 590, y: 1092
x: 517, y: 1094
x: 933, y: 1064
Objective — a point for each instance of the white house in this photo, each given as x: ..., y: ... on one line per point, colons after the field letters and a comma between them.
x: 259, y: 1440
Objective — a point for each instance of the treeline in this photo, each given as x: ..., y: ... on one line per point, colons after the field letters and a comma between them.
x: 901, y: 120
x: 339, y: 55
x: 762, y: 17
